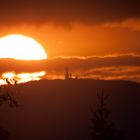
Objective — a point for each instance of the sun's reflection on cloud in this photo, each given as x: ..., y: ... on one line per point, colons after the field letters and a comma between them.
x: 26, y: 77
x: 21, y: 77
x: 9, y: 75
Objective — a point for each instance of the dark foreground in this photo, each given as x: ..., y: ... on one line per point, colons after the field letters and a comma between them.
x: 62, y: 109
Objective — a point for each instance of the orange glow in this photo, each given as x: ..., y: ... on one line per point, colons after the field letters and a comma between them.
x: 83, y: 39
x: 9, y: 75
x: 22, y: 77
x: 21, y: 47
x: 26, y: 77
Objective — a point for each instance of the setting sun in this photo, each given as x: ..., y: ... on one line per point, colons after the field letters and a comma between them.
x: 21, y: 47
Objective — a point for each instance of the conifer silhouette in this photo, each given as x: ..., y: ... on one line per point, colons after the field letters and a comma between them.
x: 102, y: 128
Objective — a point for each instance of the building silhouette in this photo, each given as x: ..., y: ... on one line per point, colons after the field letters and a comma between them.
x: 68, y: 75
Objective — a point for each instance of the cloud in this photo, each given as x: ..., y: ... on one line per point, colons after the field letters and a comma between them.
x: 133, y: 24
x: 86, y: 63
x: 62, y: 12
x: 119, y: 72
x: 125, y: 67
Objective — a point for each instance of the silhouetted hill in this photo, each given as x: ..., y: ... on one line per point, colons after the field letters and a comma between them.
x: 61, y: 110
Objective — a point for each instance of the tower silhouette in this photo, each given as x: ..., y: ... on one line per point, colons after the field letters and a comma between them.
x: 67, y: 74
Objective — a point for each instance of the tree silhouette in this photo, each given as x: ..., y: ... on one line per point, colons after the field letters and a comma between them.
x: 102, y: 128
x: 5, y: 97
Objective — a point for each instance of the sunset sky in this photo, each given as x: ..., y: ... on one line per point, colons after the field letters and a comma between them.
x: 75, y: 27
x: 70, y: 69
x: 80, y: 28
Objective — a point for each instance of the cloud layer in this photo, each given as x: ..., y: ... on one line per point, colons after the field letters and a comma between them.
x: 125, y: 67
x: 65, y: 12
x: 129, y: 24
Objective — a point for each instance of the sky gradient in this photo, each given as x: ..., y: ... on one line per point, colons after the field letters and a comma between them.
x: 80, y: 29
x: 75, y: 28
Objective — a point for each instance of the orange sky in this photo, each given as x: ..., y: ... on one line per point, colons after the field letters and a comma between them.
x: 80, y: 39
x: 75, y: 27
x: 80, y: 28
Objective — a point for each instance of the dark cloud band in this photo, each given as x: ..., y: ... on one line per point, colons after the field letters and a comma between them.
x: 75, y: 63
x: 66, y: 12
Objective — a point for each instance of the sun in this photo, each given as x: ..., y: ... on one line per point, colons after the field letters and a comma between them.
x: 21, y: 47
